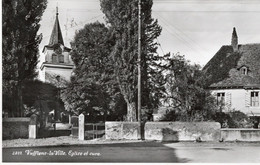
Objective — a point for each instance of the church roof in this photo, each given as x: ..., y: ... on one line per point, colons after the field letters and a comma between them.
x: 56, y: 35
x: 223, y: 70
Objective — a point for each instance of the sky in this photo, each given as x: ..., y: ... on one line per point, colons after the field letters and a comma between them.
x: 194, y: 28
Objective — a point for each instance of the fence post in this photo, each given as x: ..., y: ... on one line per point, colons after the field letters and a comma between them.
x: 69, y: 118
x: 33, y: 127
x: 81, y: 126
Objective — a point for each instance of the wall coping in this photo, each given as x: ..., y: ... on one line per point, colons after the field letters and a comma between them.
x: 164, y: 122
x: 124, y: 122
x: 16, y: 119
x: 240, y: 129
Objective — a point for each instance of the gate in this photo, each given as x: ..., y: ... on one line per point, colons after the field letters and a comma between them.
x: 87, y: 131
x: 94, y: 130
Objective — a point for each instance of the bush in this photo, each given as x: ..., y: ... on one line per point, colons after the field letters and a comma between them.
x: 171, y: 115
x: 234, y: 119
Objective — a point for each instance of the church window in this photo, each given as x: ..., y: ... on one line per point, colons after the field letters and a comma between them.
x: 61, y: 59
x: 254, y: 99
x: 54, y: 58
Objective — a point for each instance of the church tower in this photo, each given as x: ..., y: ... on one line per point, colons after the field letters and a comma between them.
x: 234, y: 40
x: 57, y: 65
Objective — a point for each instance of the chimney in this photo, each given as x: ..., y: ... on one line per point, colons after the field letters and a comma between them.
x: 234, y: 40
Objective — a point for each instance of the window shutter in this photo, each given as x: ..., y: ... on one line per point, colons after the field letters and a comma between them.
x: 228, y: 99
x: 247, y: 98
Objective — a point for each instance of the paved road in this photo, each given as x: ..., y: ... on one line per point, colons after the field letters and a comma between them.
x: 138, y: 152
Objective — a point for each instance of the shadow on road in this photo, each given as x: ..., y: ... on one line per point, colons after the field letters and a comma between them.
x: 113, y: 152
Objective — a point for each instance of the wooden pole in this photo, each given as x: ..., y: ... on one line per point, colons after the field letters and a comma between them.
x: 139, y: 68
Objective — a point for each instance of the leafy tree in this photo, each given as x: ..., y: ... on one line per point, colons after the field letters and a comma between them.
x: 20, y: 48
x: 122, y: 16
x: 92, y: 87
x: 40, y: 98
x: 185, y: 93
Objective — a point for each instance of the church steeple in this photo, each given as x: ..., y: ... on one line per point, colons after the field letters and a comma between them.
x: 234, y: 40
x: 56, y: 35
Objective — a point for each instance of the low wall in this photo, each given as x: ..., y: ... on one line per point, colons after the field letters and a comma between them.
x: 241, y: 134
x: 121, y: 130
x: 182, y: 131
x: 14, y: 128
x: 165, y: 131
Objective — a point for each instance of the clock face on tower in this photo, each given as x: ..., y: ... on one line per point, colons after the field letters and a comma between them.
x: 58, y: 50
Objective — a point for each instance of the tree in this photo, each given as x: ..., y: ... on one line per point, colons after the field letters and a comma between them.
x: 20, y: 48
x: 92, y: 86
x: 122, y: 16
x: 186, y: 95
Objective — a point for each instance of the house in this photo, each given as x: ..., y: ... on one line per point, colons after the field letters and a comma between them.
x: 57, y: 65
x: 233, y: 76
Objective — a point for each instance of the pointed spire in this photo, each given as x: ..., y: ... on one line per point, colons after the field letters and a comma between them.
x: 234, y: 40
x: 56, y: 35
x: 57, y: 12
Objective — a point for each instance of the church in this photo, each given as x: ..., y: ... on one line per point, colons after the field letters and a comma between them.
x: 233, y: 76
x: 57, y: 65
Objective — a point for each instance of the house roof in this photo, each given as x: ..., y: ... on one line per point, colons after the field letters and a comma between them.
x: 223, y: 69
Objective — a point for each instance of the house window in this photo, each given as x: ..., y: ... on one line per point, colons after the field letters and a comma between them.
x: 243, y: 70
x: 220, y: 98
x: 254, y: 99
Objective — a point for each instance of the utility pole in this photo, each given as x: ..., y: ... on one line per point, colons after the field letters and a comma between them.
x: 139, y: 70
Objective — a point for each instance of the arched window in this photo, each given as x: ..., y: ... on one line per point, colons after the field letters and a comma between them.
x: 54, y: 58
x: 61, y: 58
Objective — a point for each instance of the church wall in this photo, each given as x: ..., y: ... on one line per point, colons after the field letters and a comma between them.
x: 64, y: 73
x: 42, y: 75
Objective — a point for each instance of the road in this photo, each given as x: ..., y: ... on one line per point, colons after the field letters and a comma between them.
x: 139, y: 152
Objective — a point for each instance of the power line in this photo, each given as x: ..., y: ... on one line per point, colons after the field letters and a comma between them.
x: 194, y: 43
x: 160, y: 46
x: 178, y: 36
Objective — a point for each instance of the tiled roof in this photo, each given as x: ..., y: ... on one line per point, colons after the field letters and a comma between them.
x: 223, y: 69
x: 56, y: 35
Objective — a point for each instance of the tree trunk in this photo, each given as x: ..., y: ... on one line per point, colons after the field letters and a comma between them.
x: 131, y: 112
x: 19, y: 101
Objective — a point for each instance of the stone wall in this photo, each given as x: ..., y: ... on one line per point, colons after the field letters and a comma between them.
x: 241, y: 134
x: 121, y: 130
x: 14, y: 128
x: 165, y: 131
x: 182, y: 131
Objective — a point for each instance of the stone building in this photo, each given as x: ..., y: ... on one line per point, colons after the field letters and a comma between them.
x: 57, y: 65
x: 233, y: 76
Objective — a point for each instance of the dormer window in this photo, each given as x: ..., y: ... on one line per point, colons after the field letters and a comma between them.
x: 243, y: 70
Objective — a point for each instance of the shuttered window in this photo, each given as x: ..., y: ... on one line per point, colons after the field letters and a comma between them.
x: 220, y: 98
x: 254, y: 99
